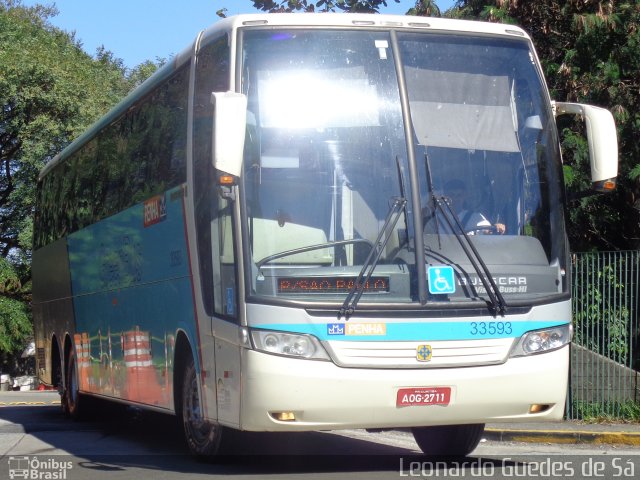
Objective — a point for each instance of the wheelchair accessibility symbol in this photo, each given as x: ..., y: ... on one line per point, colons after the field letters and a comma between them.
x: 441, y: 280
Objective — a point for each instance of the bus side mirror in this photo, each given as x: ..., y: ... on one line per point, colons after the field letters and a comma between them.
x: 230, y: 122
x: 602, y: 139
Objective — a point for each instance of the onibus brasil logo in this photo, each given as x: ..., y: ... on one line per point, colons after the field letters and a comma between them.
x: 35, y: 468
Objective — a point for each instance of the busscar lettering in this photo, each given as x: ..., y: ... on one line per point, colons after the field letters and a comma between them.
x: 520, y: 289
x: 505, y: 284
x: 501, y: 281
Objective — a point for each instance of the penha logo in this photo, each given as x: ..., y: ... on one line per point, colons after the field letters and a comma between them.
x: 155, y: 210
x: 365, y: 329
x: 335, y: 329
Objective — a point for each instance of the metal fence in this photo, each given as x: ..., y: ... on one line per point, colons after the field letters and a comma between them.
x: 605, y: 356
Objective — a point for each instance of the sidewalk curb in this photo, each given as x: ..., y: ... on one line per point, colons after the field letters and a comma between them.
x: 562, y: 436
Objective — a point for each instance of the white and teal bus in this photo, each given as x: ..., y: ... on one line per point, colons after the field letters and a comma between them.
x: 261, y: 237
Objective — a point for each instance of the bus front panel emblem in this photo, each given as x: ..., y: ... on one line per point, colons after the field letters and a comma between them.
x: 424, y: 353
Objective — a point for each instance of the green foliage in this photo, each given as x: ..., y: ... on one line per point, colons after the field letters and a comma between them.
x: 50, y: 92
x: 360, y: 6
x: 9, y: 281
x: 599, y: 412
x: 139, y: 74
x: 634, y: 173
x: 15, y: 319
x: 601, y: 318
x: 15, y: 325
x: 604, y: 290
x: 425, y: 8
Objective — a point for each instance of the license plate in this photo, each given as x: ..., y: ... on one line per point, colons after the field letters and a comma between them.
x: 423, y: 396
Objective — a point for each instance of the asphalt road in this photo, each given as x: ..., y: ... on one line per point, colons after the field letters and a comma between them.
x: 37, y: 441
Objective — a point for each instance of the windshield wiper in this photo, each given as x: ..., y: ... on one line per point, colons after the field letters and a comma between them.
x: 350, y: 302
x: 310, y: 248
x: 497, y: 301
x: 370, y: 263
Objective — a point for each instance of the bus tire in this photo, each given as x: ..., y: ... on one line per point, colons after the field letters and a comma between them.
x: 448, y: 440
x: 202, y: 437
x: 72, y: 400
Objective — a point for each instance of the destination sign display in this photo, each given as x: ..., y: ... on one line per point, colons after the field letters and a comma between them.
x: 329, y: 284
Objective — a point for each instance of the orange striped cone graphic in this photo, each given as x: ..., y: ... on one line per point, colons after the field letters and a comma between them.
x: 83, y: 359
x: 142, y: 383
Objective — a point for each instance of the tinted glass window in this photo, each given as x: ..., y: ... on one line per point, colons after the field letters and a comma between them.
x: 139, y: 155
x: 212, y: 75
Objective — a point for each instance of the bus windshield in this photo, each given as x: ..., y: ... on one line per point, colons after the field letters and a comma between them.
x: 328, y: 159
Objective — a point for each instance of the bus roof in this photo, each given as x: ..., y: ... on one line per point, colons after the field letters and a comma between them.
x: 362, y: 20
x: 337, y: 20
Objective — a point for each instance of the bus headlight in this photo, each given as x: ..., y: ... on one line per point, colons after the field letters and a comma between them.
x: 541, y: 341
x: 288, y: 344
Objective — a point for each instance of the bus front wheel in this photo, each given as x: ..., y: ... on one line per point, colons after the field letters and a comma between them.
x: 202, y: 436
x: 448, y: 440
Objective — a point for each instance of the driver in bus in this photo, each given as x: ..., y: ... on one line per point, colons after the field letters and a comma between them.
x: 473, y: 222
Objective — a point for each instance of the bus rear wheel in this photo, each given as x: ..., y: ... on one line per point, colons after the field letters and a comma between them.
x: 202, y: 437
x: 448, y: 440
x: 73, y: 403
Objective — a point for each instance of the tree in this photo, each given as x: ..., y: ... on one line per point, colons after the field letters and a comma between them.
x: 50, y: 91
x: 422, y: 7
x: 425, y: 8
x: 140, y: 73
x: 15, y: 317
x: 15, y: 324
x: 357, y: 6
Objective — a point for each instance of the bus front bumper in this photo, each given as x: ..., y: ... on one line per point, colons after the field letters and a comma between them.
x: 284, y: 394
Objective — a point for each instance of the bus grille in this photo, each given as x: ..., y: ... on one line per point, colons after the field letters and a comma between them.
x: 463, y: 353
